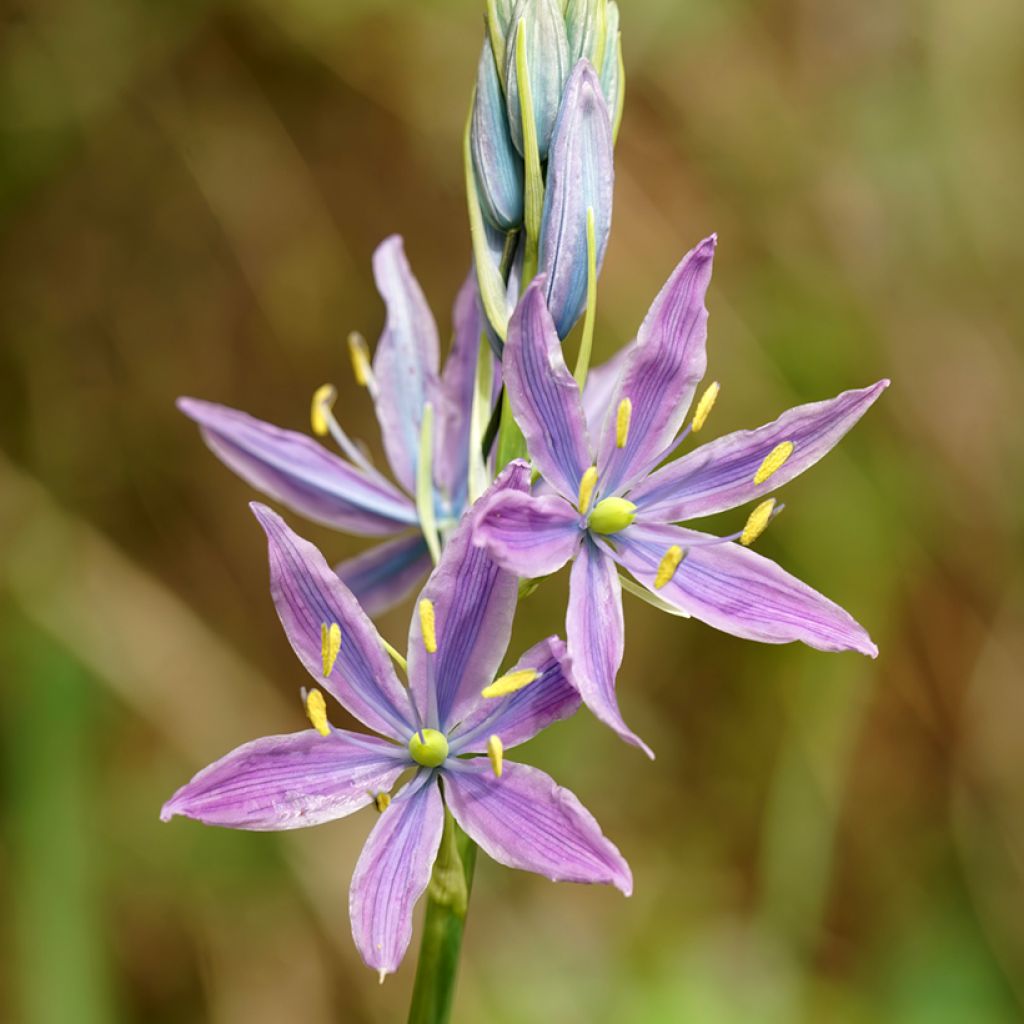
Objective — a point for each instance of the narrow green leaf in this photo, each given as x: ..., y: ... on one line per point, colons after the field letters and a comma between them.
x: 534, y: 198
x: 634, y: 588
x: 425, y: 484
x: 587, y: 341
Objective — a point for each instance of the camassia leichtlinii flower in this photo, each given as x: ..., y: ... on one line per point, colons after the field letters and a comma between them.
x: 349, y: 493
x: 613, y: 507
x: 449, y: 728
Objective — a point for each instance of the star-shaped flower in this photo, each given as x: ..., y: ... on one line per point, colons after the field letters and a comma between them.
x: 453, y: 710
x: 613, y: 507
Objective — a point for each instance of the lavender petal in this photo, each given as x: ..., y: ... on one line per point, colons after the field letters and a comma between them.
x: 392, y: 872
x: 526, y: 820
x: 290, y: 781
x: 739, y: 591
x: 300, y: 473
x: 387, y: 573
x: 308, y: 594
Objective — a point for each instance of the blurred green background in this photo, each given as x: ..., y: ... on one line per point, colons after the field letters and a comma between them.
x: 189, y: 196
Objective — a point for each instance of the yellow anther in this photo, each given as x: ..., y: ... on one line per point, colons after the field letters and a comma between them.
x: 382, y: 801
x: 428, y: 626
x: 510, y: 682
x: 330, y: 645
x: 360, y: 359
x: 756, y: 522
x: 667, y: 566
x: 705, y: 405
x: 622, y: 418
x: 587, y: 485
x: 316, y: 712
x: 774, y: 461
x: 495, y: 754
x: 320, y: 408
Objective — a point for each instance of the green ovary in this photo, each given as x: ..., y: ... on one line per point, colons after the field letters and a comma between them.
x: 612, y: 515
x: 431, y: 750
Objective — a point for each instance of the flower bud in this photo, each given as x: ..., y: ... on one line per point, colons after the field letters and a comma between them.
x: 547, y: 54
x: 496, y: 163
x: 585, y: 29
x: 610, y: 71
x: 580, y: 177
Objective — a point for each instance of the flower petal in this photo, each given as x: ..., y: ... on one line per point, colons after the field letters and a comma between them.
x: 596, y: 636
x: 580, y: 176
x: 526, y: 820
x: 405, y: 362
x: 392, y: 872
x: 455, y: 397
x: 720, y: 475
x: 293, y: 469
x: 384, y: 575
x: 291, y: 781
x: 529, y: 536
x: 545, y: 399
x: 667, y: 364
x: 739, y: 591
x: 474, y: 601
x: 521, y: 715
x: 307, y: 594
x: 600, y: 387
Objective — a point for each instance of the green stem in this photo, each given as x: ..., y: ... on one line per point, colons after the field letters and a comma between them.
x: 447, y: 902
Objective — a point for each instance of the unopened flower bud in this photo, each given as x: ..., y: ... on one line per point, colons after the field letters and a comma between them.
x: 610, y: 72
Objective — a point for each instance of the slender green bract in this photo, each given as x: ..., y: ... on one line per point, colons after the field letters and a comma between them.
x: 447, y: 901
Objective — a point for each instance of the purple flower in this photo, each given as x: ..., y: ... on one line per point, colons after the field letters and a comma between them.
x: 613, y: 508
x: 348, y: 493
x: 457, y: 641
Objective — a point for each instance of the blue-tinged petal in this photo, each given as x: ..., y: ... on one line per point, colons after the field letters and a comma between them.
x: 530, y: 536
x: 473, y: 604
x: 308, y: 595
x: 453, y: 417
x: 291, y: 781
x: 732, y: 470
x: 392, y: 872
x: 739, y: 591
x: 387, y: 573
x: 519, y: 716
x: 667, y: 364
x: 545, y: 399
x: 293, y: 469
x: 525, y: 820
x: 406, y: 360
x: 612, y: 84
x: 596, y: 636
x: 547, y: 54
x: 496, y: 162
x: 580, y: 176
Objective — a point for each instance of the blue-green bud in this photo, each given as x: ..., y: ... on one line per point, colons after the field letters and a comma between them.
x: 610, y: 71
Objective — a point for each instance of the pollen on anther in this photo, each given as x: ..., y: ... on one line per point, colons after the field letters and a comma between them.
x: 622, y: 417
x: 774, y: 461
x: 360, y: 356
x: 667, y: 566
x: 428, y: 625
x: 316, y: 712
x: 757, y: 521
x: 382, y: 801
x: 495, y: 754
x: 330, y: 645
x: 323, y: 400
x: 705, y: 405
x: 587, y: 484
x: 510, y: 683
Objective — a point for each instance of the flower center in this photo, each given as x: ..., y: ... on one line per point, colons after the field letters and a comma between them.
x: 611, y: 515
x: 428, y: 747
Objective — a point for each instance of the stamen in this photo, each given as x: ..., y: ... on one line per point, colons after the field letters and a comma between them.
x: 510, y: 683
x: 495, y: 754
x: 360, y: 355
x: 428, y: 626
x: 330, y: 645
x: 316, y: 712
x: 774, y: 461
x: 323, y: 401
x: 587, y: 485
x: 756, y: 522
x: 667, y: 566
x: 622, y: 418
x: 705, y: 405
x: 382, y: 801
